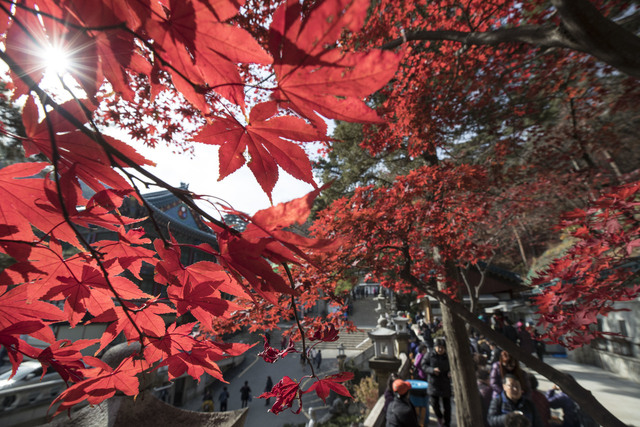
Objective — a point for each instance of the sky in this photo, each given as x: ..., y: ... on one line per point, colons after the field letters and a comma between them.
x: 240, y: 189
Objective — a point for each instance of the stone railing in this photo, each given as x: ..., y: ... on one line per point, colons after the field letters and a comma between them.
x: 29, y: 403
x: 376, y: 417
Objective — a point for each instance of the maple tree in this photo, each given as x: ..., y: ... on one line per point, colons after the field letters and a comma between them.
x: 258, y: 82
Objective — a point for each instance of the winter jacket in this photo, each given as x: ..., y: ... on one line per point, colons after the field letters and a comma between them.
x: 418, y: 366
x: 439, y: 384
x: 558, y: 399
x: 495, y: 379
x: 501, y: 406
x: 525, y: 341
x: 542, y: 405
x: 485, y: 394
x: 401, y: 413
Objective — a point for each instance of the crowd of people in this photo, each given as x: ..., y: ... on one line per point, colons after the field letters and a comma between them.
x: 509, y: 394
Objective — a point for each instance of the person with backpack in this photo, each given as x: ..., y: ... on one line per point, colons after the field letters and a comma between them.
x: 401, y: 412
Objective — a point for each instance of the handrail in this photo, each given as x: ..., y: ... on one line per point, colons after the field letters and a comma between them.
x: 15, y: 390
x: 28, y: 394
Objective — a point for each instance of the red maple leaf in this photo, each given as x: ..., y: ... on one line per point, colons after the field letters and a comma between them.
x: 20, y: 195
x: 92, y: 163
x: 324, y: 333
x: 171, y: 271
x: 199, y: 360
x: 316, y: 77
x: 177, y: 339
x: 324, y: 386
x: 91, y: 292
x: 268, y: 141
x: 128, y: 250
x: 202, y: 50
x: 200, y: 302
x: 147, y: 316
x: 285, y: 391
x: 16, y: 306
x: 16, y: 348
x: 270, y: 226
x: 64, y: 356
x: 102, y: 382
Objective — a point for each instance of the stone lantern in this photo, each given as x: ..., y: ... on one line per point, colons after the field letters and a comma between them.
x: 384, y: 362
x: 383, y: 342
x: 381, y: 309
x: 402, y: 333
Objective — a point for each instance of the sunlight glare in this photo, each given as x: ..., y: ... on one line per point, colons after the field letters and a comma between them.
x: 56, y: 60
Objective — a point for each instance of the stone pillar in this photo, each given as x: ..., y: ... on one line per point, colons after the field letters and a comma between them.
x: 402, y: 333
x: 382, y: 368
x: 384, y: 362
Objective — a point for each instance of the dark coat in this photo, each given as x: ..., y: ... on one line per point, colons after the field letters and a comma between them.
x: 401, y: 413
x: 495, y: 379
x: 558, y: 399
x: 501, y: 406
x: 511, y: 333
x: 485, y: 394
x: 439, y: 384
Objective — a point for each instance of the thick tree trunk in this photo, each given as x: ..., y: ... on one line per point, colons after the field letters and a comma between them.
x: 467, y: 397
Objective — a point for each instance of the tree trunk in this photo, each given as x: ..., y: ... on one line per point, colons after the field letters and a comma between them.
x: 467, y: 397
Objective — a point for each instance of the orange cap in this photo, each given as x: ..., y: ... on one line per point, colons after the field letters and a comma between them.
x: 401, y: 387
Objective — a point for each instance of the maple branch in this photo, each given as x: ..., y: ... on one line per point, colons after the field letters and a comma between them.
x: 583, y: 28
x: 546, y: 36
x: 295, y: 315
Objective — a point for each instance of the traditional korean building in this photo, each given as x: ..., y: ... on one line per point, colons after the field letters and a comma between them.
x: 168, y: 214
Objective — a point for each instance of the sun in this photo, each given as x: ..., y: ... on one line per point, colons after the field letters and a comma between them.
x: 56, y: 60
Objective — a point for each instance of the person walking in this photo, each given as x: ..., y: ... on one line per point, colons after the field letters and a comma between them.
x: 417, y: 364
x: 486, y: 393
x: 318, y: 358
x: 540, y: 401
x: 436, y: 365
x: 267, y: 389
x: 245, y: 394
x: 223, y: 398
x: 401, y: 412
x: 207, y: 401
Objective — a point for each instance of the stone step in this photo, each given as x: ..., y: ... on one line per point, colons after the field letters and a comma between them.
x: 351, y: 341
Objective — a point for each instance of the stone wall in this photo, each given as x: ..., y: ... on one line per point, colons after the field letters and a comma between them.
x: 625, y: 366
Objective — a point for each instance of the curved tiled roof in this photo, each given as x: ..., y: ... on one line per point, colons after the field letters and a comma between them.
x: 169, y: 210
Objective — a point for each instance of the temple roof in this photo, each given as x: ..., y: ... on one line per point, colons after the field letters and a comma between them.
x: 168, y: 209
